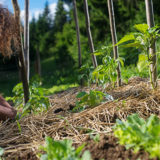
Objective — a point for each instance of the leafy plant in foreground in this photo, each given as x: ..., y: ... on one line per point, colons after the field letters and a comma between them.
x: 107, y: 71
x: 138, y: 134
x: 143, y: 40
x: 37, y: 102
x: 63, y: 150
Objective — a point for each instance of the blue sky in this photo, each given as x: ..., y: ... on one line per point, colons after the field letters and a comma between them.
x: 36, y: 6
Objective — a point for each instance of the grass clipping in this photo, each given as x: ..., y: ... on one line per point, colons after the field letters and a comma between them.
x: 136, y: 97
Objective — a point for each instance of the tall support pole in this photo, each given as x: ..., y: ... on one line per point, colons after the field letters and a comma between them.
x: 90, y: 40
x: 78, y: 33
x: 20, y: 51
x: 152, y: 49
x: 26, y: 38
x: 114, y: 38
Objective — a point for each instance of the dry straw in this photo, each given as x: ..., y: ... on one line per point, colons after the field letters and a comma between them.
x: 8, y: 33
x: 137, y: 97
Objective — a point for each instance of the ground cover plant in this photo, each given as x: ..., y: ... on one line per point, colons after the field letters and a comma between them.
x: 63, y: 150
x: 138, y: 134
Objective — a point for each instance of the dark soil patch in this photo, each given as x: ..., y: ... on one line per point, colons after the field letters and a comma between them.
x: 109, y: 149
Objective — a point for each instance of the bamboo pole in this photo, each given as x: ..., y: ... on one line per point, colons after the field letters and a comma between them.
x: 114, y: 38
x: 152, y: 49
x: 20, y: 51
x: 26, y: 38
x: 90, y: 40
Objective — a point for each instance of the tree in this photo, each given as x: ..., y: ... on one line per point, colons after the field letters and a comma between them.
x: 26, y: 38
x: 90, y: 40
x: 60, y: 17
x: 78, y: 33
x: 114, y: 38
x: 152, y: 49
x: 20, y: 51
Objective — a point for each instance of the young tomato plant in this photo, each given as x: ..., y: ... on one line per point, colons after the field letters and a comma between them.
x: 91, y: 99
x: 143, y: 39
x: 86, y: 73
x: 106, y: 72
x: 139, y: 134
x: 63, y: 150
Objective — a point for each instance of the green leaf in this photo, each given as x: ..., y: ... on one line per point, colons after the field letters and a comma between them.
x: 134, y: 44
x: 98, y: 53
x: 141, y: 27
x: 126, y: 38
x: 81, y: 94
x: 142, y: 62
x: 19, y: 126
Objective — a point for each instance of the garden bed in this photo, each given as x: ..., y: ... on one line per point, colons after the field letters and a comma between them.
x: 59, y: 123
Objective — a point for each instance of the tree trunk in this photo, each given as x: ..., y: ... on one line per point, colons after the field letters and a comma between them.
x: 20, y: 51
x: 90, y: 40
x: 38, y: 63
x: 78, y: 33
x: 152, y: 50
x: 114, y: 38
x: 26, y: 37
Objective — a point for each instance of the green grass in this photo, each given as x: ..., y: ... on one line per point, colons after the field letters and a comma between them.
x: 59, y: 88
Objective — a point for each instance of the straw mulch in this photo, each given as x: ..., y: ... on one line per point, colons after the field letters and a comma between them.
x: 8, y: 32
x: 60, y: 123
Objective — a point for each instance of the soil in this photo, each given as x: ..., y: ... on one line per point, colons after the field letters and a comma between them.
x: 60, y: 123
x: 108, y: 149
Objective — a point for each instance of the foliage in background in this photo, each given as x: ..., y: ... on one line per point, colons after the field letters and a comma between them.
x: 63, y: 150
x: 37, y: 102
x: 56, y: 40
x: 139, y: 134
